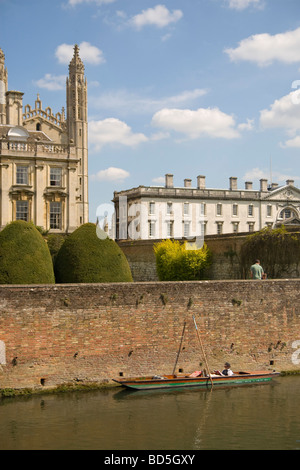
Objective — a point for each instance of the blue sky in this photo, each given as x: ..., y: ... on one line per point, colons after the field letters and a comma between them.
x: 188, y: 87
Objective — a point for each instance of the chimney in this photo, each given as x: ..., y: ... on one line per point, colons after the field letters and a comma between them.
x: 263, y: 185
x: 233, y: 183
x: 274, y: 186
x: 169, y: 181
x: 200, y: 182
x: 290, y: 182
x: 248, y: 185
x: 187, y: 183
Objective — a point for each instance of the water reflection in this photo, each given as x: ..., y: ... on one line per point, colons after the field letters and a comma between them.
x: 254, y: 417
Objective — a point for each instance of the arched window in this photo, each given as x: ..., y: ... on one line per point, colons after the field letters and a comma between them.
x: 38, y: 126
x: 287, y: 213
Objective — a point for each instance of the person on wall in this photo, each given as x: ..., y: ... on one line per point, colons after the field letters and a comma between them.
x: 256, y: 270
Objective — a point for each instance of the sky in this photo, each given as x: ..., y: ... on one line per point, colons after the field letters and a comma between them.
x: 187, y: 87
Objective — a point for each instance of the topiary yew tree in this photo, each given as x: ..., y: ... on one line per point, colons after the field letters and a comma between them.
x: 24, y: 255
x: 176, y: 262
x: 86, y: 258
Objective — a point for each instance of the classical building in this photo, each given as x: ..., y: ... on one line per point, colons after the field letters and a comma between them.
x: 186, y: 212
x: 44, y: 156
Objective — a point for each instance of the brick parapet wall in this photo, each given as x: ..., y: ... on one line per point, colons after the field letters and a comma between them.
x: 226, y: 258
x: 225, y: 250
x: 53, y: 335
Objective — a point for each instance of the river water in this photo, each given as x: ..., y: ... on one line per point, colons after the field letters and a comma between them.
x: 257, y: 417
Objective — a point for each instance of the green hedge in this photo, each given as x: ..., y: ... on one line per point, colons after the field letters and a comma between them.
x: 24, y: 255
x: 85, y: 258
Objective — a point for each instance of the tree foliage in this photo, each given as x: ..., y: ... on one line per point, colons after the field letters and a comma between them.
x: 176, y: 261
x: 85, y: 258
x: 24, y: 255
x: 277, y: 249
x: 55, y: 242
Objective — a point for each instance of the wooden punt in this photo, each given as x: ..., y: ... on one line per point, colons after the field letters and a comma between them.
x: 182, y: 380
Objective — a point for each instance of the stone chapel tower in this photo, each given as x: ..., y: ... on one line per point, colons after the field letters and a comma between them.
x: 3, y: 88
x: 44, y: 156
x: 77, y: 124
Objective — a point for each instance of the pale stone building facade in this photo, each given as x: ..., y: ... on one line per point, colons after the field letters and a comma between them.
x: 44, y: 156
x: 186, y: 212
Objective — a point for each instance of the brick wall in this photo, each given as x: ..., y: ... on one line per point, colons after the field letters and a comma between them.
x: 225, y: 249
x: 52, y: 335
x: 226, y: 258
x: 141, y: 259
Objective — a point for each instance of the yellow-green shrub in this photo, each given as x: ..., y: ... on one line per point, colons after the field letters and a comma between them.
x: 176, y: 261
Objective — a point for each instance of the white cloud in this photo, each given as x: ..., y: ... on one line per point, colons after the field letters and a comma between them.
x: 256, y: 174
x: 185, y: 97
x: 121, y: 14
x: 159, y: 136
x: 160, y: 180
x: 122, y: 101
x: 247, y: 126
x: 113, y: 131
x: 292, y: 143
x: 166, y: 37
x: 111, y: 174
x: 158, y: 16
x: 88, y: 53
x: 52, y: 82
x: 284, y: 113
x: 94, y: 84
x: 209, y: 122
x: 264, y: 49
x: 243, y: 4
x: 97, y: 2
x: 259, y: 173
